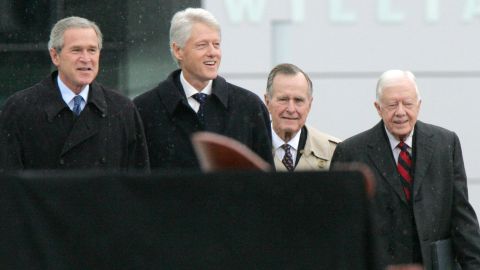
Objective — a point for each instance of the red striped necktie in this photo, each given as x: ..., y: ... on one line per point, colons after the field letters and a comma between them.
x: 404, y: 168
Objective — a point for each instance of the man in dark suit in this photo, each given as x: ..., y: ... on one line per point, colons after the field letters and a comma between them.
x: 195, y: 98
x: 421, y: 195
x: 68, y: 121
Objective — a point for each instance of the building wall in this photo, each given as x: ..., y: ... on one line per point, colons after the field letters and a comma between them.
x: 345, y: 45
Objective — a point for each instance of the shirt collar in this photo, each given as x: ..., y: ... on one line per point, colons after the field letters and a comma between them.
x: 394, y: 142
x: 278, y: 142
x: 190, y: 90
x: 68, y: 94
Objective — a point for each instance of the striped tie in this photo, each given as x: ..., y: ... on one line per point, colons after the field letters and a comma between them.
x: 287, y: 158
x: 404, y: 168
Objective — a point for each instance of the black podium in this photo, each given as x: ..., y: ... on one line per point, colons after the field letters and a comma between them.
x: 243, y: 220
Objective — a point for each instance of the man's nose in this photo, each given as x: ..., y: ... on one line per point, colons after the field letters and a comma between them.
x: 85, y: 55
x: 400, y: 109
x: 291, y: 106
x: 212, y: 50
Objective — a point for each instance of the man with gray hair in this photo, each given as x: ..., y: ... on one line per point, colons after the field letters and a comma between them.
x: 296, y: 146
x: 194, y: 98
x: 422, y: 213
x: 69, y: 121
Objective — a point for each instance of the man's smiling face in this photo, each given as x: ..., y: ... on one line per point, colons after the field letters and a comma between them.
x: 77, y: 62
x: 289, y: 104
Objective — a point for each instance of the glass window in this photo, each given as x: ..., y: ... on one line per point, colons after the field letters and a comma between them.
x: 135, y: 55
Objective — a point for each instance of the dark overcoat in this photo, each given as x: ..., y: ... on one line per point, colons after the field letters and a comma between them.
x: 40, y: 132
x: 169, y: 121
x: 440, y: 199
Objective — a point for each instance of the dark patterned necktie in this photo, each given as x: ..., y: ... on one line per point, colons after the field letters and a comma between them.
x: 404, y: 168
x: 287, y: 158
x: 77, y: 101
x: 201, y: 98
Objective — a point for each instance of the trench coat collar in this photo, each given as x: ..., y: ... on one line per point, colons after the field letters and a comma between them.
x: 54, y: 103
x: 320, y: 147
x: 172, y: 94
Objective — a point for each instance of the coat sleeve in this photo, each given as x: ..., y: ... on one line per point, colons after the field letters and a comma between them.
x: 138, y: 152
x: 262, y: 137
x: 464, y: 226
x: 339, y: 156
x: 10, y: 147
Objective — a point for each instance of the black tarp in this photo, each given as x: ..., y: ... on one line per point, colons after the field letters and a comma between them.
x: 244, y: 220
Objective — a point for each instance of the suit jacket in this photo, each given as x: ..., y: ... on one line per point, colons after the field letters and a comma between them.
x: 40, y: 132
x: 440, y: 206
x: 317, y: 153
x: 170, y: 121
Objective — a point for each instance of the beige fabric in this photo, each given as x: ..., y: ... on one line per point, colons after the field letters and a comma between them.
x: 317, y: 154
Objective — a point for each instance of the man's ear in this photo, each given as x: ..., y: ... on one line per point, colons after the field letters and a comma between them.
x: 377, y: 106
x: 54, y: 55
x: 267, y: 100
x: 177, y: 51
x: 310, y: 101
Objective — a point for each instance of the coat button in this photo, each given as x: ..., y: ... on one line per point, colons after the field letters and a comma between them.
x: 62, y: 161
x: 322, y: 163
x: 103, y: 160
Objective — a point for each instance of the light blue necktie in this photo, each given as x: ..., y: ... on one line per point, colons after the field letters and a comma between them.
x: 77, y: 101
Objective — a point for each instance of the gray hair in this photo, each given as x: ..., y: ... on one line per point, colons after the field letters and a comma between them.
x: 287, y: 69
x: 182, y: 23
x: 56, y: 35
x: 392, y: 75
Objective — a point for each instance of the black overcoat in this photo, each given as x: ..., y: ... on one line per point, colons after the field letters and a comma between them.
x: 40, y: 132
x: 169, y: 121
x: 440, y: 199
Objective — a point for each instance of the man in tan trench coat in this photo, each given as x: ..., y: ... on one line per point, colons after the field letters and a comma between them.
x: 296, y: 146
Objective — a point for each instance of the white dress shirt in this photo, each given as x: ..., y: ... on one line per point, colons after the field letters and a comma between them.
x: 68, y: 94
x: 278, y: 142
x: 190, y: 91
x: 394, y: 143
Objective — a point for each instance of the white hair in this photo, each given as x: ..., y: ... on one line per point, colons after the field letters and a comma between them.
x: 182, y: 23
x: 392, y: 75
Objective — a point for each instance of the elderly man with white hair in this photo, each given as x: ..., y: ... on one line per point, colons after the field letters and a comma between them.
x: 422, y: 213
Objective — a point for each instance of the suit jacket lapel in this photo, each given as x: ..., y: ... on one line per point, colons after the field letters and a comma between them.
x: 423, y: 153
x: 381, y: 156
x: 183, y: 115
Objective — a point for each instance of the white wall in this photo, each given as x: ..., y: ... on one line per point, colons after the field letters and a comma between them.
x: 346, y: 44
